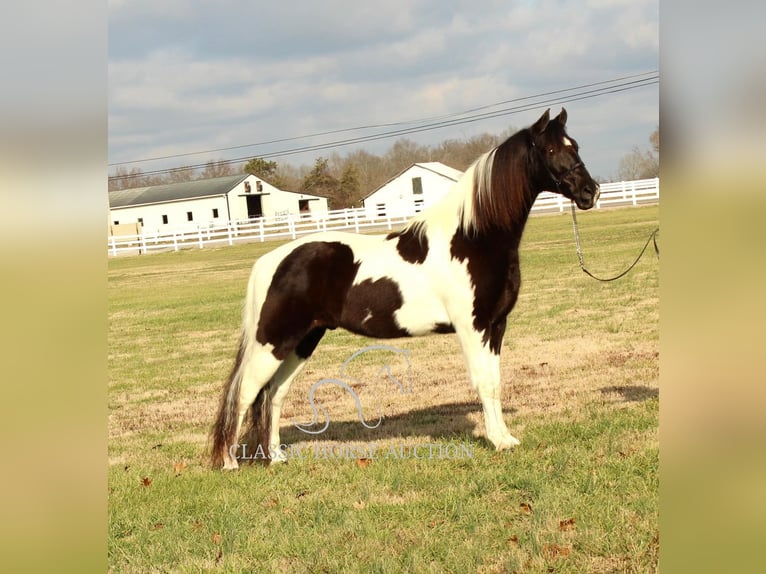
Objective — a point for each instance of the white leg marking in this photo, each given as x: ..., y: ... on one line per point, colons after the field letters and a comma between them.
x: 484, y: 372
x: 283, y: 379
x: 257, y: 371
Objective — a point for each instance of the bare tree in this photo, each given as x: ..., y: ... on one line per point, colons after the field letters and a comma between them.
x: 641, y: 164
x: 182, y: 174
x: 127, y: 178
x: 218, y: 168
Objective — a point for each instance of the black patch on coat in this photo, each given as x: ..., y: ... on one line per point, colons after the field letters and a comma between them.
x: 412, y: 244
x: 307, y: 292
x: 369, y: 309
x: 493, y: 265
x: 443, y: 328
x: 307, y: 345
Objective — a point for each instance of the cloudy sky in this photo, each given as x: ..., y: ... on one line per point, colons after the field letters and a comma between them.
x: 218, y: 76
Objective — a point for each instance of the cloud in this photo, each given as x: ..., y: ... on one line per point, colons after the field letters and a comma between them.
x: 199, y: 75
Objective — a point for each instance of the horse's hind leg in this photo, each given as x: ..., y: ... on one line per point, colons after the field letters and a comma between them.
x: 254, y: 374
x: 282, y: 381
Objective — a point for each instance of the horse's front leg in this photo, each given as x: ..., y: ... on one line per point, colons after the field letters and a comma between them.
x: 484, y: 371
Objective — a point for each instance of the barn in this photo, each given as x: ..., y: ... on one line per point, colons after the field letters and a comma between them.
x: 203, y: 202
x: 418, y: 186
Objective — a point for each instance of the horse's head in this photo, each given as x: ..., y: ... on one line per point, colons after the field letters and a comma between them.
x: 556, y: 161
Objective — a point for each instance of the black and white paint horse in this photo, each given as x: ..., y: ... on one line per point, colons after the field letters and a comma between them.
x: 453, y: 269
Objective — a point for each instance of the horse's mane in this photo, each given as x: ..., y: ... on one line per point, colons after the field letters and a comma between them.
x: 493, y: 193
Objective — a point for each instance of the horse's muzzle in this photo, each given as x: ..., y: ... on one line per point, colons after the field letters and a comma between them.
x: 588, y: 197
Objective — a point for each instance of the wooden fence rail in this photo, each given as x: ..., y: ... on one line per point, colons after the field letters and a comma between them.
x: 623, y: 193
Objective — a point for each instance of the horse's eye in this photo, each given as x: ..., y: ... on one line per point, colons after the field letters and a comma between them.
x: 550, y: 151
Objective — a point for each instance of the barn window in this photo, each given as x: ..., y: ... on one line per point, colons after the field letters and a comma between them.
x: 258, y: 186
x: 141, y: 220
x: 417, y: 186
x: 215, y: 212
x: 116, y: 222
x: 381, y: 209
x: 165, y: 219
x: 247, y: 187
x: 189, y: 216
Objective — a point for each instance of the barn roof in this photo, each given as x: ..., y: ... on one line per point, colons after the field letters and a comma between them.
x: 174, y: 191
x: 434, y: 166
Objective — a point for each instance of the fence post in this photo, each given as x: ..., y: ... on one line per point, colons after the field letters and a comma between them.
x: 228, y: 233
x: 657, y: 187
x: 291, y: 225
x: 143, y: 243
x: 388, y: 220
x: 561, y: 203
x: 199, y: 235
x: 356, y: 222
x: 175, y: 241
x: 260, y: 229
x: 633, y: 189
x: 114, y: 246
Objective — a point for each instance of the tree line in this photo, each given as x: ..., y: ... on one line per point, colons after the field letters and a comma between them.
x: 346, y: 180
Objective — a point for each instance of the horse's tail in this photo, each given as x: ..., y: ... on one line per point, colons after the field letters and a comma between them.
x: 259, y: 433
x: 224, y: 432
x: 224, y: 429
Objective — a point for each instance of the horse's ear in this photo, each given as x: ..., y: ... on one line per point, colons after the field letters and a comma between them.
x: 562, y: 117
x: 539, y: 126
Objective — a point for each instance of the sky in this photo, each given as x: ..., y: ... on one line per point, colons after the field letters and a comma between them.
x: 204, y: 76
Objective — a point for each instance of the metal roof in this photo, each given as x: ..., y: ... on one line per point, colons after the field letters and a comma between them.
x: 174, y: 191
x: 441, y: 169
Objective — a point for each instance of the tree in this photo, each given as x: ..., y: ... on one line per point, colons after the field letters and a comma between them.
x: 348, y: 189
x: 218, y: 168
x: 124, y: 178
x: 262, y: 168
x: 179, y: 175
x: 641, y: 164
x: 320, y: 181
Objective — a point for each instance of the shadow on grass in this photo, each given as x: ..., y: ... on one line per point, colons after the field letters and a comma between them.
x: 632, y: 394
x: 442, y: 422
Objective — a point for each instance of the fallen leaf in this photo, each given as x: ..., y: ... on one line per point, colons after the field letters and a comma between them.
x: 525, y: 508
x: 301, y: 494
x: 146, y: 481
x: 514, y: 541
x: 556, y: 551
x: 156, y: 446
x: 217, y: 538
x: 178, y: 467
x: 158, y: 526
x: 363, y: 462
x: 359, y: 505
x: 568, y: 524
x: 220, y: 555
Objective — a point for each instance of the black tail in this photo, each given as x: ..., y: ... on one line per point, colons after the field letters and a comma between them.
x: 259, y: 431
x: 225, y: 426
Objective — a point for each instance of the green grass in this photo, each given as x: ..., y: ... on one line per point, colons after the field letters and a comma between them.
x: 580, y: 371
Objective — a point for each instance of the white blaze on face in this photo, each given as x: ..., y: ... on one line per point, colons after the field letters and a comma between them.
x: 567, y: 141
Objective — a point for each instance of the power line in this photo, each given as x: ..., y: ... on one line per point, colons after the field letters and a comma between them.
x: 606, y: 87
x: 383, y: 125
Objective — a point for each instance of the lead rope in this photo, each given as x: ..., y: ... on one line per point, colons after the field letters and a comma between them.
x: 652, y: 237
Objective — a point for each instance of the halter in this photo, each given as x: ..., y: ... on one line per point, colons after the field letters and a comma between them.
x: 556, y: 180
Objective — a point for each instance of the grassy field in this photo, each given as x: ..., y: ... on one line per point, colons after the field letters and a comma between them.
x: 580, y: 390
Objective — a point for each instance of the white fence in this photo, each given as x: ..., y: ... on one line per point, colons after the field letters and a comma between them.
x: 624, y: 193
